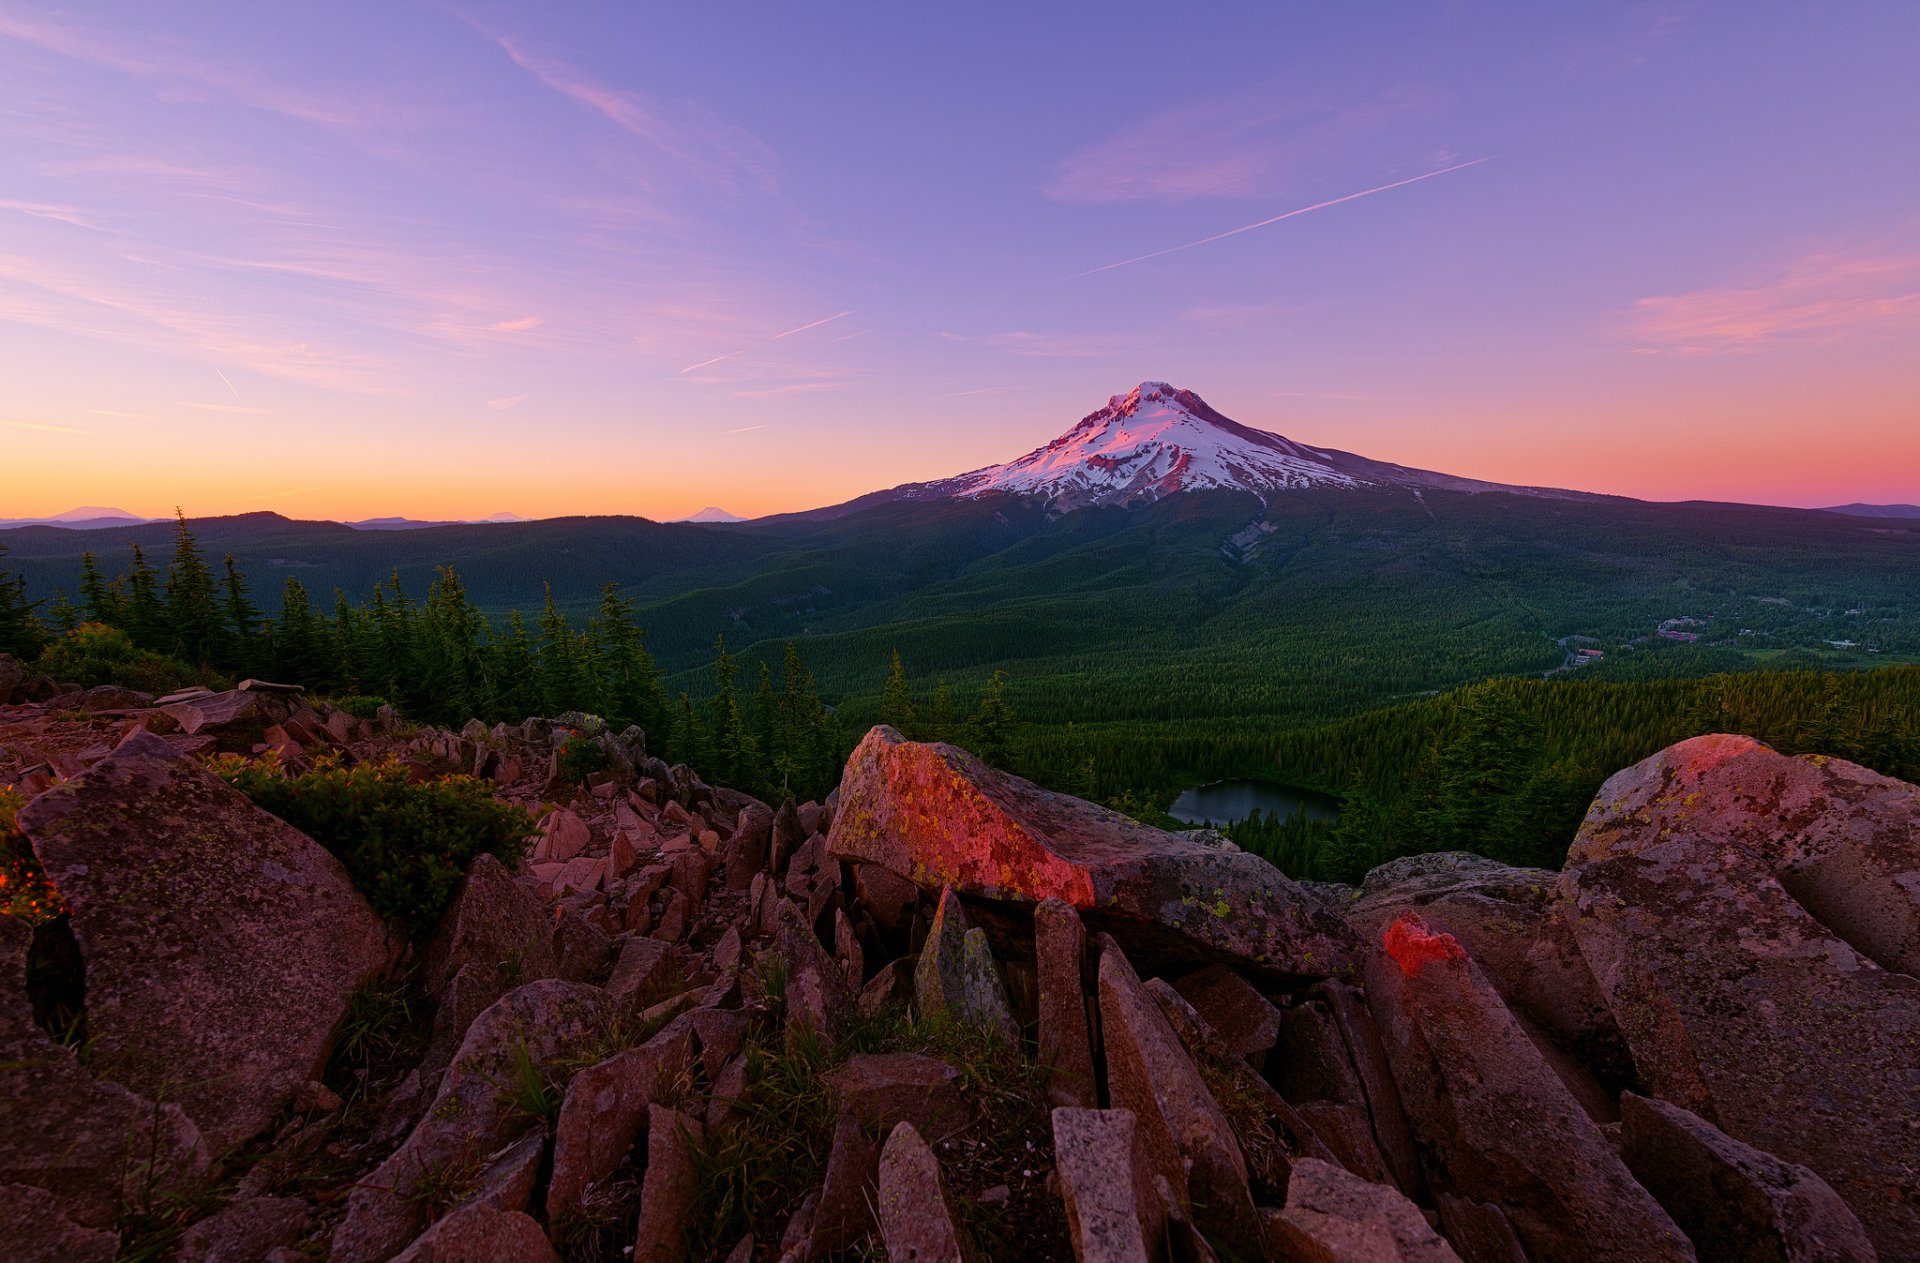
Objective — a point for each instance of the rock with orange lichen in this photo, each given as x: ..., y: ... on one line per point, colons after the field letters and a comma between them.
x: 1750, y: 919
x: 1493, y: 1122
x: 938, y: 816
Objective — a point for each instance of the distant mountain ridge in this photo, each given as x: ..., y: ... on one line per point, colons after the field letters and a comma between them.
x: 1158, y: 440
x: 1876, y: 510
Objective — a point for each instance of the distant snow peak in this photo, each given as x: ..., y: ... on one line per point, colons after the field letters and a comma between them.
x: 713, y: 513
x: 1152, y: 441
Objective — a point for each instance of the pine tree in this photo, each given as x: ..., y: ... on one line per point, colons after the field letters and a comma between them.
x: 733, y: 752
x: 631, y: 690
x: 98, y: 600
x: 940, y: 717
x: 896, y: 699
x: 992, y: 727
x: 243, y: 618
x: 299, y: 642
x: 146, y: 621
x: 689, y: 738
x: 766, y: 728
x: 20, y: 633
x: 516, y: 672
x: 561, y: 682
x: 453, y: 674
x: 193, y: 618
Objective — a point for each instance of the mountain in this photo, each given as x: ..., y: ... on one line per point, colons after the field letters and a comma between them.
x: 85, y: 518
x: 1159, y: 440
x: 414, y: 524
x: 1876, y: 510
x: 712, y: 513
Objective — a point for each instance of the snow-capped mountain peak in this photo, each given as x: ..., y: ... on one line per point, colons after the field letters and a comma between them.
x: 1153, y: 441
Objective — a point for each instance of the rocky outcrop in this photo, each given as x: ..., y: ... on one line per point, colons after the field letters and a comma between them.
x: 956, y: 977
x: 605, y: 1109
x: 1493, y: 1121
x: 1060, y: 948
x: 1740, y: 911
x: 1106, y: 1186
x: 1334, y: 1216
x: 916, y: 1217
x: 940, y: 817
x: 220, y: 943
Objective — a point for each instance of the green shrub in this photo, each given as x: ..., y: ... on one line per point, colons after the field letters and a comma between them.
x: 579, y: 757
x: 25, y: 891
x: 94, y: 653
x: 405, y: 843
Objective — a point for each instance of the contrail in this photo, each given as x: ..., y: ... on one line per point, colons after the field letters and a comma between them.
x: 1304, y: 210
x: 223, y: 377
x: 770, y: 341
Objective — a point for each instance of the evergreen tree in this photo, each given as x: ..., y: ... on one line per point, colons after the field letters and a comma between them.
x: 733, y: 752
x: 631, y: 692
x: 62, y: 615
x: 896, y: 699
x: 20, y: 633
x: 940, y: 716
x: 146, y: 622
x: 561, y: 680
x: 991, y: 733
x: 300, y: 648
x: 98, y: 600
x: 766, y: 729
x: 516, y: 672
x: 454, y: 686
x: 194, y: 620
x: 689, y: 738
x: 243, y: 618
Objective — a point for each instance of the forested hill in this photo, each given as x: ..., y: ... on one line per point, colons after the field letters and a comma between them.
x: 1206, y: 612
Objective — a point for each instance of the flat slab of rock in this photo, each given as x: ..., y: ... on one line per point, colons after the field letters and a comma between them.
x: 1735, y: 1202
x: 939, y: 817
x: 1234, y: 1007
x: 916, y: 1217
x: 1186, y: 1136
x: 1495, y: 1124
x: 36, y: 1231
x: 221, y: 943
x: 1112, y: 1207
x: 494, y: 922
x: 1334, y: 1216
x: 1060, y: 948
x: 671, y: 1186
x: 884, y: 1089
x: 604, y: 1111
x: 1737, y: 907
x: 956, y: 977
x: 481, y: 1233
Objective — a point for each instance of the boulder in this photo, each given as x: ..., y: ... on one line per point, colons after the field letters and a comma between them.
x: 916, y: 1217
x: 1113, y: 1210
x: 957, y: 978
x: 1334, y: 1216
x: 1749, y: 919
x: 1493, y: 1121
x: 817, y: 995
x: 938, y: 816
x: 788, y: 836
x: 1369, y: 1060
x: 1234, y: 1007
x: 604, y: 1110
x: 888, y: 897
x: 1510, y: 922
x: 246, y: 1230
x: 494, y: 922
x: 481, y: 1233
x: 1186, y: 1136
x: 645, y: 970
x: 882, y: 1089
x: 843, y: 1216
x: 563, y: 836
x: 1060, y: 948
x: 671, y: 1186
x: 69, y: 1134
x: 1733, y: 1201
x: 221, y: 944
x: 213, y: 710
x: 746, y: 852
x: 32, y: 1222
x: 472, y: 1113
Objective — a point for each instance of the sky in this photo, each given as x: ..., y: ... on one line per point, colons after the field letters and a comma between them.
x: 447, y: 260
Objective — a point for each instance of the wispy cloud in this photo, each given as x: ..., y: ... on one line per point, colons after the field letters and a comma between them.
x: 1274, y: 219
x: 230, y: 386
x: 744, y: 429
x: 11, y: 424
x: 70, y: 215
x: 235, y: 409
x: 1253, y: 145
x: 511, y: 401
x: 520, y: 325
x: 1818, y: 299
x: 124, y: 416
x: 1050, y: 346
x: 978, y: 390
x: 766, y: 342
x: 701, y: 142
x: 791, y: 388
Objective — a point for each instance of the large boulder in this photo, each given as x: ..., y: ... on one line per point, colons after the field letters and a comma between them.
x: 1749, y: 918
x: 1494, y: 1122
x: 1735, y: 1202
x: 1334, y: 1216
x: 90, y: 1146
x: 495, y: 922
x: 221, y: 944
x: 938, y: 816
x: 473, y: 1114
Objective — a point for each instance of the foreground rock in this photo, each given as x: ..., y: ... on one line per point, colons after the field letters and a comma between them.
x: 956, y: 977
x: 1494, y: 1123
x: 1334, y: 1216
x: 221, y: 944
x: 1737, y: 907
x: 1735, y: 1202
x: 916, y: 1217
x: 1112, y: 1206
x: 940, y: 817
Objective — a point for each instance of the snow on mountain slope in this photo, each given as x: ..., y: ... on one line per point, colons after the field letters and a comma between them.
x: 1150, y: 442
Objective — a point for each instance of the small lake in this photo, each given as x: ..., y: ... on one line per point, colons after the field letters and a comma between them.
x: 1227, y: 802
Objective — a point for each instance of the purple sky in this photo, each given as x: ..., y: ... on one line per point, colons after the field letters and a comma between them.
x: 353, y: 258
